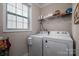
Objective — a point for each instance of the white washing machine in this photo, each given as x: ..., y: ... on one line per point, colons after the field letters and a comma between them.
x: 57, y: 43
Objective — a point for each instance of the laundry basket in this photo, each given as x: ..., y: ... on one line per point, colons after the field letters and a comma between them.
x: 4, y: 46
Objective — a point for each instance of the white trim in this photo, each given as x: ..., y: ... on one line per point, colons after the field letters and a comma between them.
x: 25, y: 54
x: 42, y: 6
x: 30, y: 17
x: 4, y: 17
x: 4, y: 21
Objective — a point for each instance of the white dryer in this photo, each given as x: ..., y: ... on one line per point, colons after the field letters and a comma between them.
x: 35, y: 43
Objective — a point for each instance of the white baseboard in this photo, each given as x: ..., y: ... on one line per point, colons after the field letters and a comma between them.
x: 25, y: 54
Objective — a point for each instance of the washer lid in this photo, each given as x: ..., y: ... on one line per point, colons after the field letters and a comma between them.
x: 63, y: 35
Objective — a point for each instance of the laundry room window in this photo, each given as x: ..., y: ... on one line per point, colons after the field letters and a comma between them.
x: 18, y: 17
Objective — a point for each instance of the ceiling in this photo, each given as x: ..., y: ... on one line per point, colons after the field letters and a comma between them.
x: 41, y: 5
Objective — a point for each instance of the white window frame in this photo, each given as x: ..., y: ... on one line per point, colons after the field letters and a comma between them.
x: 5, y: 29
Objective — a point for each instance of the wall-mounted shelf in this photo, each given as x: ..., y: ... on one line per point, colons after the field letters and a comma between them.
x: 58, y: 13
x: 51, y: 16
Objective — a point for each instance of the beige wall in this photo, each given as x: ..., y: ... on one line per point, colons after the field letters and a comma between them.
x: 57, y: 24
x: 35, y: 16
x: 18, y: 39
x: 75, y: 32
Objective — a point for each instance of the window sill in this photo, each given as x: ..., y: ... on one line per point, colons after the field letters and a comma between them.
x: 17, y: 30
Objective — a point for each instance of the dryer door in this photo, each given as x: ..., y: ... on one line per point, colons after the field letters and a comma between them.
x: 36, y: 48
x: 53, y: 48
